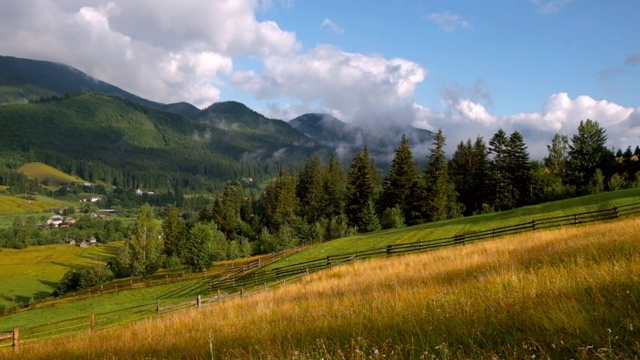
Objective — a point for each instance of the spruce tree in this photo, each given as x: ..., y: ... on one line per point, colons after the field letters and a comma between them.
x: 173, y: 231
x: 360, y: 187
x: 309, y: 189
x: 402, y: 183
x: 440, y: 194
x: 334, y: 189
x: 502, y: 192
x: 556, y: 161
x: 518, y: 169
x: 469, y: 169
x: 279, y: 201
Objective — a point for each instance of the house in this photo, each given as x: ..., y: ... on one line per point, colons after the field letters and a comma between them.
x: 70, y: 220
x: 92, y: 240
x: 71, y: 242
x: 84, y: 244
x: 55, y: 221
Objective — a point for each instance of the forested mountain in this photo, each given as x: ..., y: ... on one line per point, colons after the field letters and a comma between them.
x: 25, y: 79
x: 61, y: 116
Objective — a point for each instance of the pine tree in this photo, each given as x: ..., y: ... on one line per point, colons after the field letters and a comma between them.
x: 440, y: 193
x: 333, y: 189
x: 518, y: 169
x: 469, y: 169
x: 360, y: 187
x: 402, y: 183
x: 309, y: 189
x: 173, y: 232
x: 502, y: 191
x: 279, y: 201
x: 369, y: 218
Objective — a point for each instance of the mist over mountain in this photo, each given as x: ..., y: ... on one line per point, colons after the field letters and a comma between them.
x: 347, y: 139
x: 61, y: 116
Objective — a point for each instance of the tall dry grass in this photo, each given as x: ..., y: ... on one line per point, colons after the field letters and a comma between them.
x: 568, y: 293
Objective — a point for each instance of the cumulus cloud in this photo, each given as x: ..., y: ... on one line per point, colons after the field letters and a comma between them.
x: 359, y: 87
x: 165, y: 51
x: 464, y: 119
x: 448, y: 21
x: 333, y: 26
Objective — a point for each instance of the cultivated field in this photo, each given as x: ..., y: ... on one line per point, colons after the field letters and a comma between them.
x: 41, y: 172
x: 564, y: 293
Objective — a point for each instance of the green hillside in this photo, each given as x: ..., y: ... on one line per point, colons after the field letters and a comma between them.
x: 100, y: 137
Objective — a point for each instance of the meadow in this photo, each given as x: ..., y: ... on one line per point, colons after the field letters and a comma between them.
x: 563, y: 293
x: 40, y: 171
x: 23, y: 279
x: 31, y: 275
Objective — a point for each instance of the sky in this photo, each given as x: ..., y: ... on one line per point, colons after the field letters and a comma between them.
x: 468, y: 67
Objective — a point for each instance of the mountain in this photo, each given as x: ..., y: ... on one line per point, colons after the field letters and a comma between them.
x: 25, y: 79
x: 348, y: 139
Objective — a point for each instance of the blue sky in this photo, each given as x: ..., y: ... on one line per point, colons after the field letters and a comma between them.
x: 468, y: 67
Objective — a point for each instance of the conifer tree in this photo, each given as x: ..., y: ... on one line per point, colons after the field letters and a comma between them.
x: 402, y: 184
x: 502, y: 192
x: 360, y: 187
x: 173, y: 232
x: 518, y: 169
x: 309, y: 189
x: 369, y: 218
x: 440, y: 193
x: 469, y: 169
x: 280, y: 202
x: 333, y: 189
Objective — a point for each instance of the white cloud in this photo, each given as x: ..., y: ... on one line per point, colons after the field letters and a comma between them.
x: 448, y: 21
x: 464, y: 119
x: 362, y: 88
x: 333, y: 26
x: 165, y: 51
x: 549, y: 6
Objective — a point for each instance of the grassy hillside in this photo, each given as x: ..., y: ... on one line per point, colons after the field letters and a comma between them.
x: 14, y: 205
x: 565, y: 293
x: 452, y: 227
x: 40, y: 172
x: 32, y: 273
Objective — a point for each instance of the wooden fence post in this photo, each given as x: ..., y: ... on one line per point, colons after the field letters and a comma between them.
x: 616, y: 212
x: 198, y: 301
x: 16, y: 336
x: 158, y: 307
x: 389, y: 249
x: 93, y: 322
x: 533, y: 224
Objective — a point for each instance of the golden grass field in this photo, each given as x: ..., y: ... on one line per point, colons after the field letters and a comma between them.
x: 40, y: 171
x: 14, y: 205
x: 566, y: 293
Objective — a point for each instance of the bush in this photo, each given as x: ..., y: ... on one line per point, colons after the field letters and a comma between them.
x: 86, y: 277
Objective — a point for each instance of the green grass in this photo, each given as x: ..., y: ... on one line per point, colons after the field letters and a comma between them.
x: 32, y: 273
x: 14, y: 205
x: 28, y: 278
x: 449, y: 228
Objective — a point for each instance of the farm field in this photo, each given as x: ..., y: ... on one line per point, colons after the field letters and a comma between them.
x: 565, y: 293
x: 40, y: 171
x: 32, y: 274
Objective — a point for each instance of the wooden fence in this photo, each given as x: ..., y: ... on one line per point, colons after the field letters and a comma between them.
x: 258, y: 279
x: 243, y: 280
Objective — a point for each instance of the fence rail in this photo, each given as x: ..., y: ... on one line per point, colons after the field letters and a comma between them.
x: 252, y: 280
x: 244, y: 280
